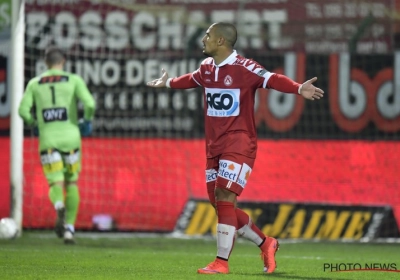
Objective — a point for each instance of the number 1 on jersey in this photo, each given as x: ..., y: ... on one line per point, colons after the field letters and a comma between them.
x: 53, y: 95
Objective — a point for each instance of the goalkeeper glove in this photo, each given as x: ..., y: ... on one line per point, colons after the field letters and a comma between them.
x: 35, y: 131
x: 34, y: 126
x: 85, y: 127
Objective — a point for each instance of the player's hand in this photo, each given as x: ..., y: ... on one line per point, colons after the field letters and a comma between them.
x: 85, y: 127
x: 35, y: 130
x: 309, y: 91
x: 160, y: 82
x: 34, y: 126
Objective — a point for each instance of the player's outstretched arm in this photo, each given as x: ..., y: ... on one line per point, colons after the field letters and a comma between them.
x: 309, y: 91
x: 160, y: 82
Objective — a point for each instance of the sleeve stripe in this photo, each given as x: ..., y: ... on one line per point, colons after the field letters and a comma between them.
x: 266, y: 78
x: 266, y: 75
x: 168, y: 83
x: 195, y: 79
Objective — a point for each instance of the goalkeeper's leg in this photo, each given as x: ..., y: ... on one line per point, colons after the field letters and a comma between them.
x: 72, y: 205
x: 53, y: 167
x: 72, y: 199
x: 56, y: 194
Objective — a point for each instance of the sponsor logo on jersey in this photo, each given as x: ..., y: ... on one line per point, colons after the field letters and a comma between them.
x: 50, y: 156
x: 51, y: 161
x: 244, y: 175
x: 53, y: 79
x: 55, y: 114
x: 72, y: 160
x: 211, y: 175
x: 207, y: 72
x: 72, y: 157
x: 222, y: 102
x: 229, y: 170
x: 228, y: 80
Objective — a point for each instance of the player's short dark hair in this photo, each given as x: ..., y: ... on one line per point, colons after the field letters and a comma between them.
x: 53, y: 55
x: 228, y: 31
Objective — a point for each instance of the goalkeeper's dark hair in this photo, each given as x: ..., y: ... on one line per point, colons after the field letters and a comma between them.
x: 53, y: 56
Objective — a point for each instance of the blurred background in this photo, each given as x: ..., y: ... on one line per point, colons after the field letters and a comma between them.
x: 325, y: 169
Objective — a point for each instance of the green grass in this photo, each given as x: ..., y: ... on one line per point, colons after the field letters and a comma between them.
x: 40, y: 255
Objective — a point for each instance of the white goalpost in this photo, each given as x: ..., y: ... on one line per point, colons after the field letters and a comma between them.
x: 16, y: 82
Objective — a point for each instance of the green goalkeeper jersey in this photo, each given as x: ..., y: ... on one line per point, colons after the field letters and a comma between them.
x: 55, y: 95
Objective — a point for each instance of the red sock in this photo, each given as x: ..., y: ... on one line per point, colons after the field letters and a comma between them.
x: 242, y: 217
x: 226, y: 213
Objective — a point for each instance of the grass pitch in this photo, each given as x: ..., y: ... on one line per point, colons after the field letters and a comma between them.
x: 40, y: 255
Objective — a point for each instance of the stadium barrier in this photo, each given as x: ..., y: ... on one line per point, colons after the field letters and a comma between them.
x: 144, y: 184
x: 297, y: 220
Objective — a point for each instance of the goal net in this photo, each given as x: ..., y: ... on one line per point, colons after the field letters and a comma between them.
x: 145, y: 160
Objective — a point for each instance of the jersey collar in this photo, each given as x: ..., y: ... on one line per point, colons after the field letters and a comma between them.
x: 55, y: 71
x: 231, y: 58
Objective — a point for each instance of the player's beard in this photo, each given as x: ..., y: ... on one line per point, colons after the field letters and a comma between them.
x: 207, y: 54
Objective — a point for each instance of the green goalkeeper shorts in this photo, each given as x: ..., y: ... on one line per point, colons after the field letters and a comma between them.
x: 61, y: 166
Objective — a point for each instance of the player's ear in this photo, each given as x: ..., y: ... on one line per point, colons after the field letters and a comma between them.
x: 221, y: 41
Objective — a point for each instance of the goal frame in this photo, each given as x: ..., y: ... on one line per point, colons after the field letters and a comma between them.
x: 16, y: 87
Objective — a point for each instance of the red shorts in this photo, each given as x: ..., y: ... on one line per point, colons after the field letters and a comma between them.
x: 229, y: 171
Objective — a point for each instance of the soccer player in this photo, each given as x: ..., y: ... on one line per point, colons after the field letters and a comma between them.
x: 230, y: 82
x: 54, y: 95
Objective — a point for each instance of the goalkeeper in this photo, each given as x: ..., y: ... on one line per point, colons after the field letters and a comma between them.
x: 54, y: 95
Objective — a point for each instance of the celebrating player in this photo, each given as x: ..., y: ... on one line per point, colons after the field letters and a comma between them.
x: 54, y: 94
x: 230, y: 82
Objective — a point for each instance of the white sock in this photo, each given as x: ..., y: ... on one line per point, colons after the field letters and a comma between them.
x: 225, y: 238
x: 58, y: 205
x: 248, y: 233
x: 70, y: 227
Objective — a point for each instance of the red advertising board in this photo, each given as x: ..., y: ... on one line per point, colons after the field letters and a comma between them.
x: 144, y: 183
